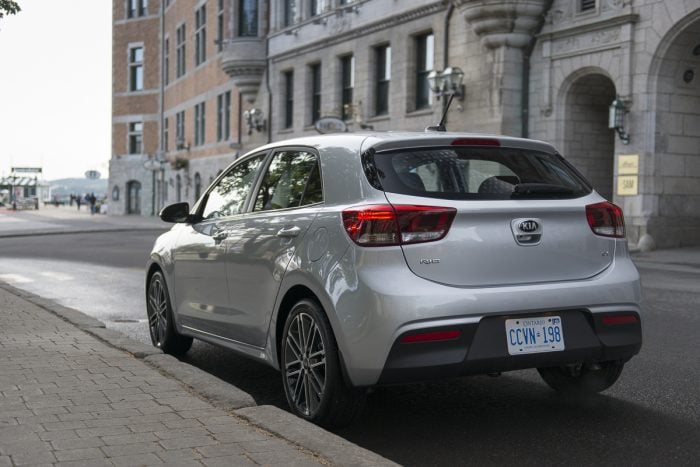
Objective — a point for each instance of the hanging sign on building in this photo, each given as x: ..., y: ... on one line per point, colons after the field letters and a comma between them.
x: 26, y: 170
x: 325, y: 125
x: 628, y: 174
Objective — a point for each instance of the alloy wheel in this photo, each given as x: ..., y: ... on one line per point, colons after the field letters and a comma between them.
x: 157, y: 311
x: 305, y: 364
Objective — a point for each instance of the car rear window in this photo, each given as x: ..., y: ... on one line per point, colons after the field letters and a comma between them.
x: 486, y: 173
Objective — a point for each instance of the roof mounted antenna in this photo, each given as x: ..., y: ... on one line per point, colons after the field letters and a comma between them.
x: 441, y: 126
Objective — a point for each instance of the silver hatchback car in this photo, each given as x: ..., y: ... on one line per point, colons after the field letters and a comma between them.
x: 354, y: 260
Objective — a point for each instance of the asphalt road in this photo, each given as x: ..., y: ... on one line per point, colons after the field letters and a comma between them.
x: 650, y: 417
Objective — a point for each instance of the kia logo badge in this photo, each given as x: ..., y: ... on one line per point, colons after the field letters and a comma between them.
x: 528, y: 226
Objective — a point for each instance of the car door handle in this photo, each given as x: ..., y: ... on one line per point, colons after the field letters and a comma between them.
x: 289, y: 232
x: 219, y: 236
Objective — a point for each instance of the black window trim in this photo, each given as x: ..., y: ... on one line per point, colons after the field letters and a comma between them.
x: 196, y: 211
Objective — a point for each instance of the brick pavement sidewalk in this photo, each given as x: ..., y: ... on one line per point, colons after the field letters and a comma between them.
x: 66, y: 398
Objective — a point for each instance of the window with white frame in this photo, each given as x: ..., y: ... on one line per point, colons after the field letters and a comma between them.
x: 166, y: 60
x: 220, y: 26
x: 315, y: 75
x: 166, y: 133
x: 347, y: 85
x: 180, y: 51
x: 200, y: 35
x: 199, y: 124
x: 136, y: 68
x: 180, y: 129
x: 289, y: 12
x: 136, y: 8
x: 288, y: 78
x: 383, y: 77
x: 425, y: 62
x: 223, y: 116
x: 135, y: 137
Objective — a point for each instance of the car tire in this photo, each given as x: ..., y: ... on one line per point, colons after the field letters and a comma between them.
x: 311, y: 369
x: 582, y: 379
x: 161, y: 326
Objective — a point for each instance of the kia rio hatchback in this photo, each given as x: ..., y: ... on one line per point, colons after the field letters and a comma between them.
x: 350, y: 261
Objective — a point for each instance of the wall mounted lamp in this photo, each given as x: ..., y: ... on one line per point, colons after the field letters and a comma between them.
x: 447, y: 82
x: 255, y: 120
x: 616, y: 119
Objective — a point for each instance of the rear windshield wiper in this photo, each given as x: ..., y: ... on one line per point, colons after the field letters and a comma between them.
x: 524, y: 190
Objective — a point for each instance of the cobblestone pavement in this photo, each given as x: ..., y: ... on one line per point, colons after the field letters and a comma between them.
x: 68, y: 399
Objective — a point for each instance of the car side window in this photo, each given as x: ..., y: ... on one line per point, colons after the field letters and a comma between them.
x: 293, y: 179
x: 228, y: 197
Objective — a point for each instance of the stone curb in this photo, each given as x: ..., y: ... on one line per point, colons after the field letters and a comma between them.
x: 219, y: 393
x: 312, y: 437
x: 40, y: 233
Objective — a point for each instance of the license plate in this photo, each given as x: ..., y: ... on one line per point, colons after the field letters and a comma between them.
x: 533, y: 335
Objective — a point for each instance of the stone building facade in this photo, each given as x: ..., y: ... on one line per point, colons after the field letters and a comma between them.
x: 545, y: 69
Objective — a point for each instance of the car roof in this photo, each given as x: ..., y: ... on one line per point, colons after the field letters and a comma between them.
x: 388, y: 140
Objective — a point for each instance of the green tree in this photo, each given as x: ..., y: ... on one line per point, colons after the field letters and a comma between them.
x: 8, y: 7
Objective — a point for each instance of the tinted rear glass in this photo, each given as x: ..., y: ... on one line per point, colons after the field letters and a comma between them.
x: 488, y: 173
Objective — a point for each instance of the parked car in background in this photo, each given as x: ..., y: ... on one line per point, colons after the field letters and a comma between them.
x: 355, y: 260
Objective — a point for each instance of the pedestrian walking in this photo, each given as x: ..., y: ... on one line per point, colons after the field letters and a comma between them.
x: 77, y: 201
x: 92, y: 200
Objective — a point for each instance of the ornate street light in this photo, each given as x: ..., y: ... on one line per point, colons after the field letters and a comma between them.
x: 616, y: 119
x: 446, y: 83
x: 255, y: 120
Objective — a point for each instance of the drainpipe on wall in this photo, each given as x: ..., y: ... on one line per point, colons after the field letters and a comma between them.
x: 525, y: 98
x: 267, y: 81
x: 161, y: 111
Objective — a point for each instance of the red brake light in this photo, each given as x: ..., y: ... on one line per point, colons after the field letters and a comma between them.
x: 386, y: 225
x: 619, y: 319
x: 476, y: 142
x: 606, y: 219
x: 431, y: 336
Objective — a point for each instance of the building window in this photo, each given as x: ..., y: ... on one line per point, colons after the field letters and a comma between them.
x: 347, y: 84
x: 316, y: 7
x: 248, y: 18
x: 180, y: 130
x: 137, y: 8
x: 290, y: 12
x: 197, y: 185
x: 136, y: 69
x: 220, y: 27
x: 424, y: 65
x: 135, y: 137
x: 383, y: 76
x: 166, y: 133
x: 315, y: 70
x: 181, y: 38
x: 200, y: 35
x: 586, y: 5
x: 288, y: 99
x: 166, y: 60
x: 199, y: 124
x: 223, y: 116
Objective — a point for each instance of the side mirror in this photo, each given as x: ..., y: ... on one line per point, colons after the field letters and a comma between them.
x: 176, y: 213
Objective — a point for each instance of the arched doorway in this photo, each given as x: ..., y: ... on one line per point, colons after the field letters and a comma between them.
x: 677, y: 137
x: 588, y: 142
x: 133, y: 197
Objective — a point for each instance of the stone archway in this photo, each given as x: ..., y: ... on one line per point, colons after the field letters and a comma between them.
x: 588, y: 142
x: 676, y: 94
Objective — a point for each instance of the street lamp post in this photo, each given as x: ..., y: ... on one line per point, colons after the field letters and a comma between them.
x: 446, y: 83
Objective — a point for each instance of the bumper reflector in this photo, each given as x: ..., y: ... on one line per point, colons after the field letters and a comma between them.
x: 431, y: 336
x: 619, y: 319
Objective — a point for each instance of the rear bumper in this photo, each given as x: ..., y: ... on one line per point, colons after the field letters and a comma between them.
x: 482, y: 348
x: 375, y: 299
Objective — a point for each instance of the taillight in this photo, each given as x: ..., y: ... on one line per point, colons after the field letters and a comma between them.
x: 385, y: 225
x: 431, y: 336
x: 606, y: 219
x: 615, y: 320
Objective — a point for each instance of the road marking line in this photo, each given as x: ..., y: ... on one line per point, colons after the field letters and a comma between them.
x: 59, y: 276
x: 15, y: 279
